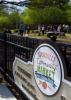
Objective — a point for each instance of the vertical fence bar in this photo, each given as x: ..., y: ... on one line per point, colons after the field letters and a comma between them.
x: 5, y: 53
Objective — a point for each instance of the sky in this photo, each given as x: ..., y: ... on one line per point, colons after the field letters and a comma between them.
x: 20, y: 8
x: 16, y: 0
x: 19, y: 0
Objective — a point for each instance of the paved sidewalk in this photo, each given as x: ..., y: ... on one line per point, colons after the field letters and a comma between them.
x: 5, y: 93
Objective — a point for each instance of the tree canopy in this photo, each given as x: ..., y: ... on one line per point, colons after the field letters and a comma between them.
x: 38, y: 12
x: 49, y: 15
x: 47, y: 12
x: 43, y: 3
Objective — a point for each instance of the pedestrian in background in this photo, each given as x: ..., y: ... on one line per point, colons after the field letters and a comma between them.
x: 28, y: 29
x: 22, y: 29
x: 39, y: 30
x: 43, y: 29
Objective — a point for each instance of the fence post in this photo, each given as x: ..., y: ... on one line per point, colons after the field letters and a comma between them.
x: 5, y: 52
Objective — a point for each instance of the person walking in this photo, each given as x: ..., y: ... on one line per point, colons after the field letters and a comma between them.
x: 39, y: 30
x: 28, y: 29
x: 59, y: 28
x: 43, y: 29
x: 21, y: 29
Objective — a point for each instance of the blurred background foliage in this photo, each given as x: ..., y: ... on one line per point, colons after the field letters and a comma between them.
x: 37, y: 12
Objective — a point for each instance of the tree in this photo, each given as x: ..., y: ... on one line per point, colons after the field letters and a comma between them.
x: 46, y: 11
x: 3, y: 17
x: 68, y: 14
x: 32, y: 16
x: 48, y: 15
x: 3, y: 9
x: 9, y: 21
x: 54, y: 15
x: 43, y: 3
x: 3, y: 22
x: 14, y: 19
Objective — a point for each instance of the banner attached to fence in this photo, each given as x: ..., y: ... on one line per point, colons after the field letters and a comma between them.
x: 47, y: 67
x: 41, y: 77
x: 23, y: 77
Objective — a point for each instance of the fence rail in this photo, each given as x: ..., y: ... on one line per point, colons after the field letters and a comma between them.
x: 24, y: 47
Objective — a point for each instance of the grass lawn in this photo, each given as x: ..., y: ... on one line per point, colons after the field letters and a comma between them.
x: 65, y: 39
x: 35, y: 35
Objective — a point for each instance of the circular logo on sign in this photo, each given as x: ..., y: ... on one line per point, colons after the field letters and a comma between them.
x: 47, y: 69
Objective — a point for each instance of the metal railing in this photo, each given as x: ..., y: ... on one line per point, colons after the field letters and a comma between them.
x: 24, y: 47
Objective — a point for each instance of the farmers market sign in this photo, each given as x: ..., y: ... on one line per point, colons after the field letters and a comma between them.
x: 47, y: 69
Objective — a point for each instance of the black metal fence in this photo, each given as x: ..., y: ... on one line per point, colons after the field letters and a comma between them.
x: 66, y: 52
x: 11, y: 46
x: 23, y: 47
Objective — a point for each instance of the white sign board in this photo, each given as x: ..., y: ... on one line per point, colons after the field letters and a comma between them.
x: 47, y: 67
x: 23, y: 77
